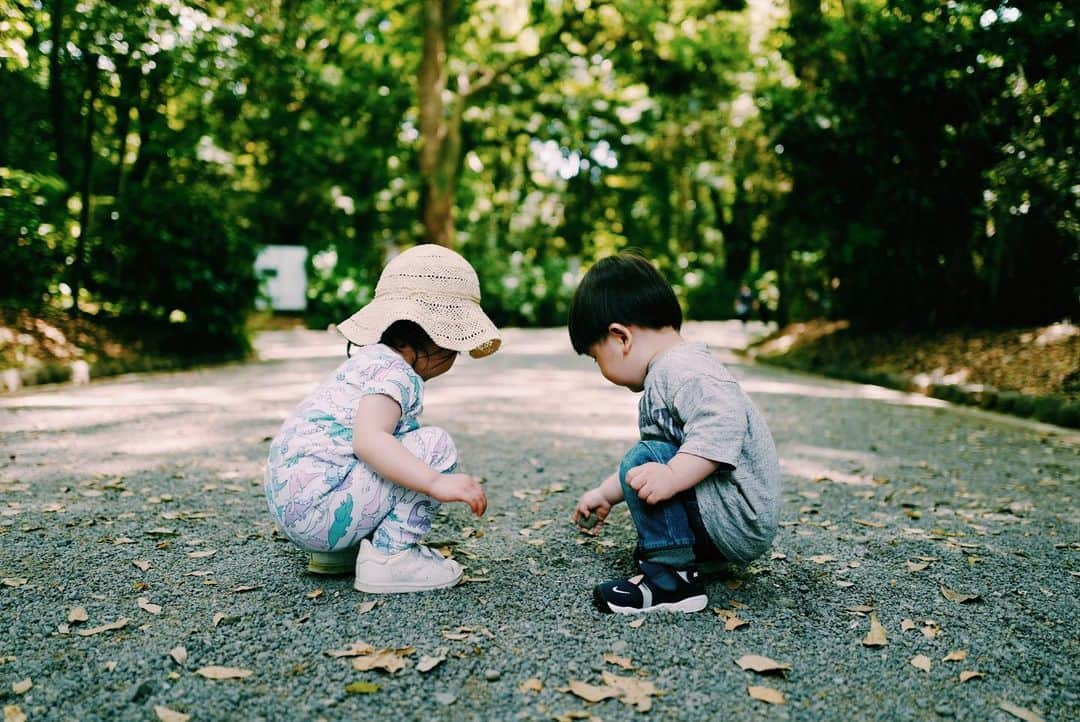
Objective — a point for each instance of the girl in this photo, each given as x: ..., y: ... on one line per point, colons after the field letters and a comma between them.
x: 352, y: 474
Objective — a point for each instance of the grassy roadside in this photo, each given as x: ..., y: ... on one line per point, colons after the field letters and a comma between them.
x: 1030, y: 372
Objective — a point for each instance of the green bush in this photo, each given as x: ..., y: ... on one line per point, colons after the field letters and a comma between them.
x: 33, y: 236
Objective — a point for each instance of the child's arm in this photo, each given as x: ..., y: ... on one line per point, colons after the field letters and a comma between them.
x: 656, y: 482
x: 375, y: 445
x: 599, y: 499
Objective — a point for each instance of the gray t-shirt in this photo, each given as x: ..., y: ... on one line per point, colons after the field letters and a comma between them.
x: 692, y: 401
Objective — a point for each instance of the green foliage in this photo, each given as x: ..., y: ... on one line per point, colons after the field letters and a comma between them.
x: 33, y: 235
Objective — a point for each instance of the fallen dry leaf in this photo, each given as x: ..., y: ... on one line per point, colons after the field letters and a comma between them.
x: 822, y: 558
x: 76, y: 615
x: 110, y: 666
x: 355, y: 649
x: 365, y: 607
x: 111, y: 626
x: 590, y: 692
x: 246, y: 588
x: 13, y: 581
x: 874, y: 524
x: 145, y: 605
x: 955, y: 656
x: 169, y: 715
x: 637, y: 622
x: 733, y: 623
x: 777, y: 556
x: 624, y: 662
x: 959, y: 597
x: 920, y: 661
x: 876, y: 636
x: 179, y: 655
x: 390, y: 660
x: 766, y: 694
x: 215, y: 672
x: 22, y: 686
x: 314, y: 594
x: 761, y: 665
x: 202, y: 554
x: 916, y: 566
x: 633, y: 691
x: 361, y: 688
x: 1020, y: 713
x: 906, y: 624
x: 532, y: 684
x: 430, y: 662
x: 12, y: 713
x: 969, y: 674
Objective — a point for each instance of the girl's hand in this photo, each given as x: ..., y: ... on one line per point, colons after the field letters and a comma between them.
x: 463, y: 488
x: 653, y: 482
x: 591, y: 501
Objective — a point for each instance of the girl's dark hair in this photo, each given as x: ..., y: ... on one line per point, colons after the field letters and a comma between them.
x: 625, y: 289
x: 403, y: 333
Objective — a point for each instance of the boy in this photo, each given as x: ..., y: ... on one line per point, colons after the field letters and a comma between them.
x: 703, y: 484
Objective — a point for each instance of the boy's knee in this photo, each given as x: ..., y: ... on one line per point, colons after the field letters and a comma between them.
x: 434, y: 446
x: 644, y: 452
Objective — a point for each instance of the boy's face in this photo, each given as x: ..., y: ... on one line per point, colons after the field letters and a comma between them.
x: 618, y: 362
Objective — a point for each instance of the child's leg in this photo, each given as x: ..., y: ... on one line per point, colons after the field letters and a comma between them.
x: 666, y: 532
x: 409, y: 513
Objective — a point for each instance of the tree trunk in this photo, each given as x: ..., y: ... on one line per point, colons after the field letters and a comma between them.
x: 440, y: 137
x: 56, y: 91
x: 85, y: 189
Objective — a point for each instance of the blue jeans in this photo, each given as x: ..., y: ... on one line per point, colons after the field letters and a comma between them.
x: 670, y: 532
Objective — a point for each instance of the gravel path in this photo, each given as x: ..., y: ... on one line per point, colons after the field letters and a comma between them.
x: 148, y: 488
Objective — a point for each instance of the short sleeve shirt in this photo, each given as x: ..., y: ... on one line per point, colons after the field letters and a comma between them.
x: 321, y: 427
x: 691, y: 400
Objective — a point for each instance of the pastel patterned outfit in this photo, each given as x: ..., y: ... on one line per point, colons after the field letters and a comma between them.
x: 321, y: 495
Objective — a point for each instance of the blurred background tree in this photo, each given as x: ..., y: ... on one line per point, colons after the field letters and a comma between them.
x: 902, y: 163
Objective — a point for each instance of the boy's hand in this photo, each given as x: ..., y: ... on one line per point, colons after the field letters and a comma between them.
x: 463, y: 488
x: 653, y: 482
x: 591, y: 501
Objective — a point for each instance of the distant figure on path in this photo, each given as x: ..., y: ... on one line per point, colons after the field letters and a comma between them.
x: 703, y: 484
x: 352, y: 475
x: 744, y: 303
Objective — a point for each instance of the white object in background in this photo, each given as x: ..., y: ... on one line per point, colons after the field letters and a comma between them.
x: 285, y: 277
x: 10, y: 379
x: 80, y: 373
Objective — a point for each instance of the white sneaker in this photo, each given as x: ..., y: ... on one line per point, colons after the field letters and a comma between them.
x: 416, y: 569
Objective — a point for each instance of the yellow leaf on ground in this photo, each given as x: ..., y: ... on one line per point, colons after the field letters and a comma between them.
x: 12, y: 713
x: 591, y: 693
x: 169, y: 715
x: 179, y: 655
x: 959, y: 597
x: 1020, y: 713
x: 532, y: 684
x: 77, y: 614
x: 361, y: 688
x: 734, y: 623
x: 22, y: 686
x: 969, y: 674
x: 955, y: 656
x: 314, y: 594
x: 761, y: 665
x: 110, y: 627
x: 215, y: 672
x: 766, y: 694
x: 876, y: 636
x: 624, y: 662
x: 920, y: 661
x: 146, y: 606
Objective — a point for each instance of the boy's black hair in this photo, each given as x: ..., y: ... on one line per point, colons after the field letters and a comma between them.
x: 626, y: 289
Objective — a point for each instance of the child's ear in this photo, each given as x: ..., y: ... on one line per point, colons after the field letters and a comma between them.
x: 622, y: 335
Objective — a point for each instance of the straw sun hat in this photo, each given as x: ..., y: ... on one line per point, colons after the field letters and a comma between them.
x: 437, y: 289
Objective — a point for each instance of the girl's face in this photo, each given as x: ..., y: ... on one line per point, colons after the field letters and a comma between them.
x: 431, y: 362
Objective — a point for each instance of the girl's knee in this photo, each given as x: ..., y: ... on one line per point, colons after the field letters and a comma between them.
x: 432, y: 445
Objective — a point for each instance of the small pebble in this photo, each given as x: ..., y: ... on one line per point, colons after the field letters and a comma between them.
x: 492, y: 674
x: 944, y: 710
